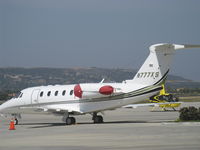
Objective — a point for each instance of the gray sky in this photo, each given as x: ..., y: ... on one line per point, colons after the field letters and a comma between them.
x: 97, y: 33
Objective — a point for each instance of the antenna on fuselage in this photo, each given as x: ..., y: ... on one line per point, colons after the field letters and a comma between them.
x: 102, y: 80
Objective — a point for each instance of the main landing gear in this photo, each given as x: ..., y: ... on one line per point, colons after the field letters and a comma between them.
x: 97, y: 118
x: 70, y: 121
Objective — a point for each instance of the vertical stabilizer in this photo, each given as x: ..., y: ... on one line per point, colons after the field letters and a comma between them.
x: 156, y: 67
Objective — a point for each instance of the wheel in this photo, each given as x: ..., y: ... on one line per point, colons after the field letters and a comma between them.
x: 98, y: 119
x: 73, y: 120
x: 16, y: 121
x: 70, y: 121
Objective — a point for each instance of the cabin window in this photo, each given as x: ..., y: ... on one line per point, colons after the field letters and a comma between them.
x: 41, y: 94
x: 56, y: 93
x: 49, y: 93
x: 71, y: 92
x: 63, y: 93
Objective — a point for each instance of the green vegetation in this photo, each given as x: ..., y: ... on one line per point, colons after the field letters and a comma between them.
x: 189, y: 114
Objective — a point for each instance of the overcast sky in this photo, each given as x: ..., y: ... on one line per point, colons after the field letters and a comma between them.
x: 97, y: 33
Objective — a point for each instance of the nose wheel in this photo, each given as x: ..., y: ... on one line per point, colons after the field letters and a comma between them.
x: 15, y: 117
x: 16, y: 121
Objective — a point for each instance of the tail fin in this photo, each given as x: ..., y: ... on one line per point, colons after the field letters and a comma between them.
x: 156, y: 67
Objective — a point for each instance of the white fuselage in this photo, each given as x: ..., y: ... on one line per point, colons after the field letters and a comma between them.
x: 60, y: 98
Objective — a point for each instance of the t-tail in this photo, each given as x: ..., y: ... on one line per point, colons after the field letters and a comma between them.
x: 156, y: 67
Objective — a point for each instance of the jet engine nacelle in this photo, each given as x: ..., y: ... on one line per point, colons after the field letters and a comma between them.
x: 93, y: 90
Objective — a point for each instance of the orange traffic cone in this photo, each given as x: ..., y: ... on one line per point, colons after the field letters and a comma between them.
x: 12, y: 125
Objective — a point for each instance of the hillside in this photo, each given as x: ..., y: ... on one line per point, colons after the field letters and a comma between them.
x: 20, y: 78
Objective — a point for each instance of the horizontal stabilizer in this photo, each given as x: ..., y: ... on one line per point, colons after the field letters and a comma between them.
x: 166, y: 46
x: 192, y: 46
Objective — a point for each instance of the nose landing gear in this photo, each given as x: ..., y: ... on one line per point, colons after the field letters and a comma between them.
x: 15, y: 118
x: 16, y: 121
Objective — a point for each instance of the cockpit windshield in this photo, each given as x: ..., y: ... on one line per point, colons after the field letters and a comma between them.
x: 18, y: 95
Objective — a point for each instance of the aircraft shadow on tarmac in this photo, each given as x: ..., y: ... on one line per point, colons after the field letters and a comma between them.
x: 43, y: 125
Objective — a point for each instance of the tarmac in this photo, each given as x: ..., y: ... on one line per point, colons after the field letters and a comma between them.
x: 123, y: 129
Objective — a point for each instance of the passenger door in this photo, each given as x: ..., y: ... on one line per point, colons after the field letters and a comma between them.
x: 34, y: 97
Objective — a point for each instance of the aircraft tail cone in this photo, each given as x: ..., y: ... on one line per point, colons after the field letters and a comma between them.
x: 12, y: 125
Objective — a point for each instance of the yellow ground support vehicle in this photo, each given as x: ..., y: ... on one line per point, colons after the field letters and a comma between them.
x: 163, y: 97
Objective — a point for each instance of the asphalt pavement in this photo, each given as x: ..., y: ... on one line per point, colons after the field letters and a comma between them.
x: 123, y: 128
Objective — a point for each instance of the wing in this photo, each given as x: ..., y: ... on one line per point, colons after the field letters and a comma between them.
x: 58, y: 109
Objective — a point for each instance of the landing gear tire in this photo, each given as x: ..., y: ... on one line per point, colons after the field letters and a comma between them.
x: 98, y: 119
x: 70, y: 121
x: 16, y: 121
x: 73, y: 120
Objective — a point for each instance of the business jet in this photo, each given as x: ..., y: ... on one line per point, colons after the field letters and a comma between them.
x: 93, y: 98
